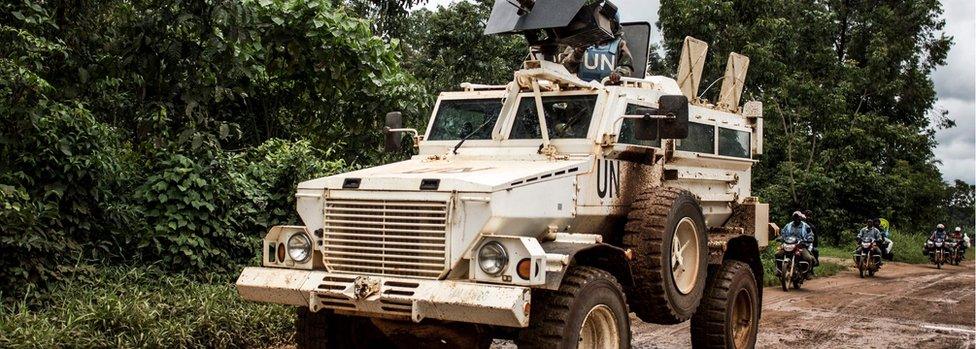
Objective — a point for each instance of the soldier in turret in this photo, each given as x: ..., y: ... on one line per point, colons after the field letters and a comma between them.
x: 609, y: 59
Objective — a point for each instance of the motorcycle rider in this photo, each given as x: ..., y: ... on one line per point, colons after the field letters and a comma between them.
x: 807, y: 218
x: 869, y: 231
x: 961, y: 238
x: 801, y: 230
x: 938, y: 234
x: 885, y: 239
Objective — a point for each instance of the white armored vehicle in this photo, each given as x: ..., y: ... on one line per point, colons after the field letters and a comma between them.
x: 542, y: 211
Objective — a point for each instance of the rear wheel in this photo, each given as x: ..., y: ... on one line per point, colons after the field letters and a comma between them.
x: 588, y: 311
x: 325, y: 329
x: 666, y: 231
x: 729, y: 313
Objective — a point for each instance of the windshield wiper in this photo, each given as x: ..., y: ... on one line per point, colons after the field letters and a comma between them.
x: 488, y: 120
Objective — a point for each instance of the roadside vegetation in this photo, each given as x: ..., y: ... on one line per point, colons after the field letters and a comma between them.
x: 173, y: 134
x: 139, y: 306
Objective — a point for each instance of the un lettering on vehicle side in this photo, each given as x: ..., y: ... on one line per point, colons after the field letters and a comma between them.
x: 607, y: 179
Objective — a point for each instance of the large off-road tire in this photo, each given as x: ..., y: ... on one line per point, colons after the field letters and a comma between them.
x: 588, y: 311
x: 669, y: 273
x: 325, y: 329
x: 729, y: 313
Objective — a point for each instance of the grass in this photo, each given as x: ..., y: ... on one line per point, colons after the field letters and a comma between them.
x: 142, y: 307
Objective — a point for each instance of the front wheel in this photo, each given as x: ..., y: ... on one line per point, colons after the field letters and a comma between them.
x: 860, y: 267
x: 729, y: 313
x: 784, y: 276
x: 588, y: 311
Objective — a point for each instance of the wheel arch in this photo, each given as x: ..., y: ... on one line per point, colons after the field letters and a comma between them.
x: 600, y: 255
x: 745, y: 249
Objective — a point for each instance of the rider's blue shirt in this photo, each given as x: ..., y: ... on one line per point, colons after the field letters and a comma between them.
x: 801, y: 231
x: 871, y: 232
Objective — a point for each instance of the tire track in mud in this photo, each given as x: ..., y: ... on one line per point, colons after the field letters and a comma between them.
x: 904, y: 306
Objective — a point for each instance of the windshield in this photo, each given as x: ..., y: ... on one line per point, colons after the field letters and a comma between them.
x: 566, y: 117
x: 456, y: 119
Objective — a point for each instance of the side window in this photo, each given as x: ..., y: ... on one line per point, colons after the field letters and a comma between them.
x: 733, y: 143
x: 701, y: 139
x: 627, y: 127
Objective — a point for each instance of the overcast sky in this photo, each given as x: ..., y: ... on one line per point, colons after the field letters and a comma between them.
x: 955, y: 82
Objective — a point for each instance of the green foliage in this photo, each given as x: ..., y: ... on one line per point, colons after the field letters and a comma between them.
x: 120, y: 119
x: 846, y: 93
x: 210, y: 216
x: 961, y: 201
x: 189, y: 207
x: 56, y: 190
x: 128, y: 307
x: 447, y: 47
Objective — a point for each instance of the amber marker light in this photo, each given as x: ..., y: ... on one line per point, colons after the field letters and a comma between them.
x: 524, y: 268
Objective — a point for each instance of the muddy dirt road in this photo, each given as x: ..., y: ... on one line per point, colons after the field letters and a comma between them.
x: 904, y: 306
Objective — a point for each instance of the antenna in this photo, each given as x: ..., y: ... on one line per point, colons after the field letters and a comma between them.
x: 690, y: 66
x: 733, y: 82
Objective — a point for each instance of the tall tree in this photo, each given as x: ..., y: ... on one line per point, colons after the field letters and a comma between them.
x: 847, y: 98
x: 447, y: 47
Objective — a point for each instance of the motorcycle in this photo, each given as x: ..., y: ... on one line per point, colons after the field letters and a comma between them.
x: 938, y: 253
x: 866, y: 259
x: 792, y: 268
x: 953, y: 252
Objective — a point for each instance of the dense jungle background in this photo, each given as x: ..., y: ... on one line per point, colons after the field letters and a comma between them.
x: 147, y: 145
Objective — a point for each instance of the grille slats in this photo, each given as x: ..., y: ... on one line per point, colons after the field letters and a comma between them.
x: 386, y: 237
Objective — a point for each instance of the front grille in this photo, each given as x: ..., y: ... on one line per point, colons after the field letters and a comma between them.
x: 386, y: 237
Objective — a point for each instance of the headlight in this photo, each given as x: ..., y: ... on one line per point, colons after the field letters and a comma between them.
x: 299, y: 247
x: 492, y: 258
x: 789, y: 247
x: 865, y: 244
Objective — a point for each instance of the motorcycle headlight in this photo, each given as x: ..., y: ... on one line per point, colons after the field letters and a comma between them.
x: 938, y: 244
x: 789, y: 248
x: 492, y: 258
x: 299, y: 247
x: 865, y: 244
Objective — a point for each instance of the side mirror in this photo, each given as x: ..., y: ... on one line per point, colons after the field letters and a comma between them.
x: 677, y: 126
x: 394, y: 121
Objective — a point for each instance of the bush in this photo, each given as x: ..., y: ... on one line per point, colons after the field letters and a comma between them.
x: 209, y: 214
x: 59, y: 187
x: 142, y: 307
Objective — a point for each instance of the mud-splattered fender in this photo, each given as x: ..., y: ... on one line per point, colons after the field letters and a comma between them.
x: 598, y: 255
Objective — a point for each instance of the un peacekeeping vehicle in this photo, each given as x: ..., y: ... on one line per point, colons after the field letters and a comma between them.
x: 542, y: 211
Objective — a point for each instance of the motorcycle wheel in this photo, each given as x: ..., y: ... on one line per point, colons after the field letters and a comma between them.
x: 784, y: 277
x: 796, y: 284
x: 871, y: 272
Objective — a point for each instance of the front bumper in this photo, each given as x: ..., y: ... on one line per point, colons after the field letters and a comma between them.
x: 388, y: 297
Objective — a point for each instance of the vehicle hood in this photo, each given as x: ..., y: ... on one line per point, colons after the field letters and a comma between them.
x: 464, y: 175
